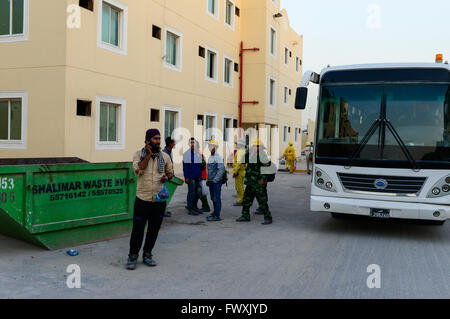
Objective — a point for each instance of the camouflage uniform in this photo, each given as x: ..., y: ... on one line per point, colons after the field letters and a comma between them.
x: 252, y: 181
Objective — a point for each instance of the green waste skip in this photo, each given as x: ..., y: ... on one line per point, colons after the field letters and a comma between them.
x: 68, y: 203
x: 65, y: 204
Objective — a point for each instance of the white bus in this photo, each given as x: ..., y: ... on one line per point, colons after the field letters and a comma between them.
x: 382, y: 141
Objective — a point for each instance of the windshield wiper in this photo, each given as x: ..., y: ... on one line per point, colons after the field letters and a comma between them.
x: 364, y: 142
x: 402, y: 144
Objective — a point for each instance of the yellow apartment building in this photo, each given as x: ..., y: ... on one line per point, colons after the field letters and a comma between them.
x: 87, y: 78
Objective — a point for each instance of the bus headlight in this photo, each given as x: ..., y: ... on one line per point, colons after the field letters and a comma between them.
x: 441, y: 188
x: 323, y: 181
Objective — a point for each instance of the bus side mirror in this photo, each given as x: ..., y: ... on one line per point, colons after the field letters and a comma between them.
x: 300, y: 98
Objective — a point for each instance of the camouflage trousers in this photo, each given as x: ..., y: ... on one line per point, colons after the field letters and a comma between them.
x: 260, y: 192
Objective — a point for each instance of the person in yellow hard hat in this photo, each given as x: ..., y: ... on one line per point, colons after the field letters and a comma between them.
x: 289, y: 155
x: 239, y: 171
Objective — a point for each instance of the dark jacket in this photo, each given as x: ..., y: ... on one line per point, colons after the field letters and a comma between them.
x: 192, y: 164
x: 165, y: 150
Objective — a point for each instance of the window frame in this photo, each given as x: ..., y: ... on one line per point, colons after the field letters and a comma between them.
x: 22, y: 143
x: 227, y: 117
x: 216, y: 9
x: 123, y: 27
x: 275, y: 45
x: 216, y: 65
x: 174, y: 109
x: 20, y: 37
x: 233, y: 13
x: 286, y: 56
x: 297, y: 64
x: 231, y: 84
x: 179, y: 58
x: 297, y: 133
x: 285, y: 138
x: 274, y: 104
x: 286, y: 95
x: 213, y: 115
x: 121, y: 123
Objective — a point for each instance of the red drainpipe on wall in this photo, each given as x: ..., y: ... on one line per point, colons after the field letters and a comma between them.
x: 241, y: 103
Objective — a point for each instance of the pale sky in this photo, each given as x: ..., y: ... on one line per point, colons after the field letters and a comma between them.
x: 340, y: 32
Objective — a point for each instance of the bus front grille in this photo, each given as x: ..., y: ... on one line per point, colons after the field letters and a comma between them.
x: 394, y: 185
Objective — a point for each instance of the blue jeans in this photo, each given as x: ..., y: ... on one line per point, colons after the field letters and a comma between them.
x: 192, y: 196
x: 215, y: 191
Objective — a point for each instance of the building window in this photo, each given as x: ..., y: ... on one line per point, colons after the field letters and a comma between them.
x: 113, y: 26
x: 170, y: 123
x: 228, y: 75
x: 297, y: 64
x: 173, y: 51
x: 200, y: 119
x: 110, y: 25
x: 84, y: 108
x: 213, y: 8
x: 286, y: 95
x: 227, y: 129
x: 87, y: 4
x: 229, y: 13
x: 109, y: 114
x: 273, y: 41
x: 210, y: 126
x: 14, y: 20
x: 211, y: 65
x: 201, y: 51
x: 13, y: 116
x: 156, y: 32
x: 286, y: 56
x: 285, y: 133
x: 272, y: 92
x: 110, y: 123
x: 154, y: 115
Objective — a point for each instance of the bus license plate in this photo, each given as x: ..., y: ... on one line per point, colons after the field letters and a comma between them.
x: 380, y: 213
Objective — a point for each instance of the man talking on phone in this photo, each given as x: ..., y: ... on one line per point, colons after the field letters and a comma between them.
x: 154, y: 168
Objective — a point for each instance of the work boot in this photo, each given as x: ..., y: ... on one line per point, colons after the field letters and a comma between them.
x: 132, y: 262
x: 167, y: 214
x: 267, y: 222
x: 237, y: 204
x: 193, y: 213
x: 213, y: 218
x: 243, y: 219
x: 259, y: 211
x: 206, y: 210
x: 199, y: 211
x: 148, y: 260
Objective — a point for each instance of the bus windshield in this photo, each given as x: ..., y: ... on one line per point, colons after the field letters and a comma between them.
x: 419, y: 113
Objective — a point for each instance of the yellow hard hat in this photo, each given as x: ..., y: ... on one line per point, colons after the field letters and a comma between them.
x: 213, y: 142
x: 291, y: 143
x: 308, y: 144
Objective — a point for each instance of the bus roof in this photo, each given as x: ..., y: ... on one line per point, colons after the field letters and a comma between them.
x: 386, y: 66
